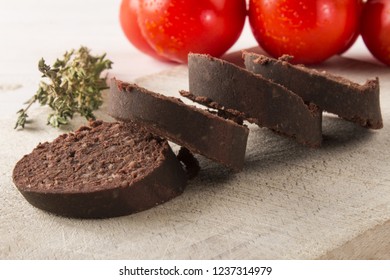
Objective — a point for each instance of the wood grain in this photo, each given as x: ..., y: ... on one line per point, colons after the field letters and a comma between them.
x: 289, y: 202
x: 374, y: 244
x: 347, y: 156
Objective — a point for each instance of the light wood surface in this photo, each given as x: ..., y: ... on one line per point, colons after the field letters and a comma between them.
x: 289, y: 202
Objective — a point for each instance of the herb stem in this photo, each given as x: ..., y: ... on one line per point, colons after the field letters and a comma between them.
x: 71, y: 85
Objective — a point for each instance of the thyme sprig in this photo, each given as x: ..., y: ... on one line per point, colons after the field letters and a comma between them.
x: 72, y: 85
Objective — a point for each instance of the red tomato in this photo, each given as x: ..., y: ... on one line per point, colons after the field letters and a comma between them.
x: 350, y: 43
x: 173, y: 28
x: 376, y: 29
x: 128, y: 17
x: 311, y: 31
x: 353, y: 39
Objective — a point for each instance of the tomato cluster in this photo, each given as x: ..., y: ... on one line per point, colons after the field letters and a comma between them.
x: 170, y: 29
x: 309, y: 30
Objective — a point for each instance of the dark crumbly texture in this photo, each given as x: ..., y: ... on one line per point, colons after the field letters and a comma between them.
x: 260, y: 100
x: 190, y: 162
x: 223, y: 112
x: 103, y: 170
x: 334, y: 94
x: 200, y: 131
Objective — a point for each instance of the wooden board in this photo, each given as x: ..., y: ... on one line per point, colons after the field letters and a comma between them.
x: 289, y: 202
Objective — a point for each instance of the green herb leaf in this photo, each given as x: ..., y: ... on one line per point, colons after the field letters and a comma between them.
x: 71, y: 86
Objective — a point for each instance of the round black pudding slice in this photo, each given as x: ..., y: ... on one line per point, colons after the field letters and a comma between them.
x: 100, y: 171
